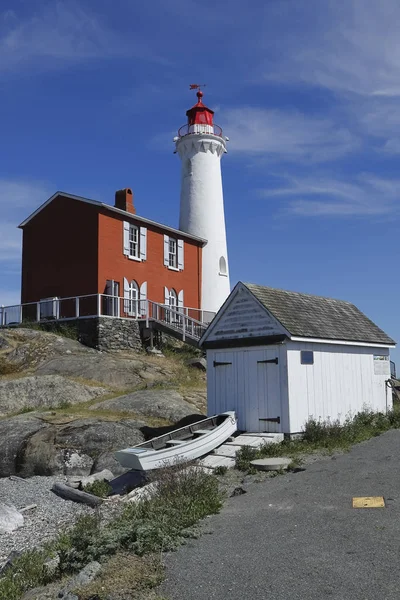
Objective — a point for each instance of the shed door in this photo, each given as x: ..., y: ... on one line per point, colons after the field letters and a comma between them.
x: 248, y: 382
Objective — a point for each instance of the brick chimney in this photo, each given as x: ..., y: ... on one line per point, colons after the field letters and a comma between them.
x: 124, y: 200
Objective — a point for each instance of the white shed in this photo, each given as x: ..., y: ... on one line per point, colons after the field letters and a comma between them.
x: 279, y: 358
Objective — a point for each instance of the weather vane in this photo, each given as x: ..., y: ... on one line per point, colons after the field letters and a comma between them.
x: 196, y: 86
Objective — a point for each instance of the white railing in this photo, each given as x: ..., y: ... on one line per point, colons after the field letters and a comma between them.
x: 187, y: 321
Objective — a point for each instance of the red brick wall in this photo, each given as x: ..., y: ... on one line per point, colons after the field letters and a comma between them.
x: 59, y: 256
x: 113, y: 264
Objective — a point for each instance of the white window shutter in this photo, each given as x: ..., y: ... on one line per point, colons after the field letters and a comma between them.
x: 143, y: 298
x: 126, y: 238
x: 143, y: 243
x: 166, y: 251
x: 126, y: 295
x: 180, y: 255
x: 180, y: 299
x: 166, y: 296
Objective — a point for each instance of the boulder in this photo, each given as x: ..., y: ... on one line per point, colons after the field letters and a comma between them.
x: 159, y: 403
x: 72, y: 449
x: 49, y: 390
x: 10, y: 518
x: 198, y: 363
x: 14, y: 433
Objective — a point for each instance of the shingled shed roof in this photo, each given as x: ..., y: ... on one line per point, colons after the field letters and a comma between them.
x: 304, y: 315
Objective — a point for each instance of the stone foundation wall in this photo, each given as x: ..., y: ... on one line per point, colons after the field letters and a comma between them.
x: 110, y: 334
x: 103, y: 333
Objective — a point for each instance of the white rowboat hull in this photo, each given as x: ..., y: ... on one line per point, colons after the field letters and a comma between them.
x: 147, y: 459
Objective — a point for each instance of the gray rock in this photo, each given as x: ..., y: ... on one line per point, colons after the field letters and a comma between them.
x: 120, y: 373
x: 10, y: 518
x: 37, y: 392
x: 104, y: 475
x: 165, y: 404
x: 199, y: 363
x: 30, y: 447
x: 3, y: 343
x: 84, y: 577
x: 14, y: 433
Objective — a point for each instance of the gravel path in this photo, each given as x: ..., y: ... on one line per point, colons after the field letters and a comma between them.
x: 41, y: 523
x: 296, y: 536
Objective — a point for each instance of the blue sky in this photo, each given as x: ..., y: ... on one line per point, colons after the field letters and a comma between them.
x: 92, y: 93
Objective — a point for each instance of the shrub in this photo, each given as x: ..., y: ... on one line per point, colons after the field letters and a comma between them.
x: 221, y: 470
x: 27, y: 572
x: 98, y: 488
x: 183, y: 496
x: 244, y: 456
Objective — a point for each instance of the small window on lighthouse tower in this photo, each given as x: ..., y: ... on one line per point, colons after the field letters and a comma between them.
x: 222, y: 266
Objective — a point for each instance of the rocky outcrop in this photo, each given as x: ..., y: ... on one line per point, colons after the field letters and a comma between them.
x: 46, y: 391
x: 119, y: 373
x: 165, y: 404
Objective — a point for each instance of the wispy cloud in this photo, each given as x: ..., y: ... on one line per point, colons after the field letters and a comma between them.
x: 286, y: 135
x: 353, y: 47
x: 63, y: 33
x: 366, y: 195
x: 17, y: 200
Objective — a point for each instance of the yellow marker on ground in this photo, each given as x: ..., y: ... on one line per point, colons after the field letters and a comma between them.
x: 369, y: 502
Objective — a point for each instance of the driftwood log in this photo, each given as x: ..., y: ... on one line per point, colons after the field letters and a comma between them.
x: 69, y: 493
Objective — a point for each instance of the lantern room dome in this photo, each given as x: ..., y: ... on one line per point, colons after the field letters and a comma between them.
x: 200, y: 119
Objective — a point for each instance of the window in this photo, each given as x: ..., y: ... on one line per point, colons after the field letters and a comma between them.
x: 173, y: 253
x: 222, y: 266
x: 173, y: 299
x: 131, y: 297
x: 307, y: 357
x: 133, y: 241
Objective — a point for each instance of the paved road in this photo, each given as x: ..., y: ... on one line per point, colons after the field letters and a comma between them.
x: 297, y: 537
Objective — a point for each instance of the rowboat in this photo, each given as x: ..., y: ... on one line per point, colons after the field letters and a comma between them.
x: 181, y: 445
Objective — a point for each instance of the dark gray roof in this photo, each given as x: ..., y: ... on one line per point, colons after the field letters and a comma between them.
x: 310, y: 316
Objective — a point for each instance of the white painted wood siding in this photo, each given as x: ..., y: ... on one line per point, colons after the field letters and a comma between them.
x: 340, y: 383
x: 251, y: 388
x: 243, y: 317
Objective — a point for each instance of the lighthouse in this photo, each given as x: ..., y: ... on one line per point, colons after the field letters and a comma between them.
x: 200, y: 145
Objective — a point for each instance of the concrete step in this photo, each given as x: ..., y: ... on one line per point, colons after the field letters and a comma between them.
x: 212, y: 461
x: 226, y: 450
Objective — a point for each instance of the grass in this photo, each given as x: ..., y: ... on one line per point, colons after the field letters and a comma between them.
x: 7, y: 367
x: 62, y: 329
x: 183, y: 496
x: 124, y: 572
x: 324, y: 436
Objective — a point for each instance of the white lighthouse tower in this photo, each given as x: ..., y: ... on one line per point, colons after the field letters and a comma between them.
x: 201, y: 145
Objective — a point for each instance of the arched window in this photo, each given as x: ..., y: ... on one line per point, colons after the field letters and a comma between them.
x: 133, y: 298
x: 222, y: 266
x: 173, y: 299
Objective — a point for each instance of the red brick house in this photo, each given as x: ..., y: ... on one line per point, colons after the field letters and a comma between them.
x: 74, y: 246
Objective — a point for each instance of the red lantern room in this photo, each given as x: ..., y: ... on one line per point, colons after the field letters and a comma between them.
x: 199, y: 114
x: 200, y: 119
